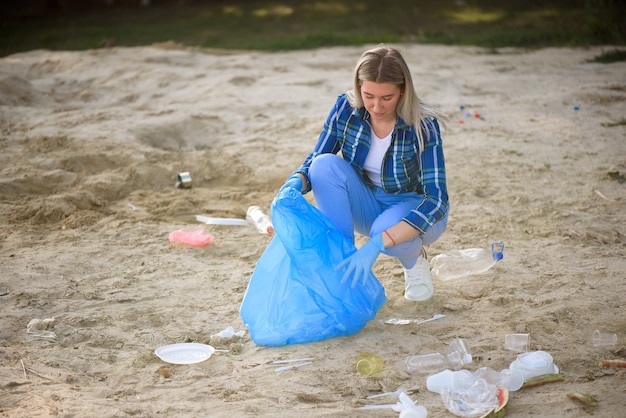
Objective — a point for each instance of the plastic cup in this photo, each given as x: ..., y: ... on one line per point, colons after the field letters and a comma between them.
x: 512, y: 379
x: 184, y: 181
x: 603, y: 338
x: 517, y: 342
x: 368, y: 364
x: 534, y: 363
x: 437, y: 382
x: 460, y: 345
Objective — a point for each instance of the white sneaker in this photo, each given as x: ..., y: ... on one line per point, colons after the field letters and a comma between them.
x: 418, y: 285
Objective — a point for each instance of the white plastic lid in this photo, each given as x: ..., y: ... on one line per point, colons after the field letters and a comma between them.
x: 535, y: 359
x: 534, y: 363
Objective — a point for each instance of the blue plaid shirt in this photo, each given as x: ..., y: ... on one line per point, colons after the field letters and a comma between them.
x: 404, y: 169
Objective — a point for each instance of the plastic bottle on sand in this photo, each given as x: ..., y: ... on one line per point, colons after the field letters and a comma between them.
x: 260, y: 220
x: 434, y: 362
x: 462, y: 263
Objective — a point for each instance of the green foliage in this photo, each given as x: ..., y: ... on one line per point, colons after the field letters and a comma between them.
x: 614, y: 55
x: 301, y: 24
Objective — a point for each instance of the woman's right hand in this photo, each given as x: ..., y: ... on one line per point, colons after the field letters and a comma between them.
x: 295, y: 181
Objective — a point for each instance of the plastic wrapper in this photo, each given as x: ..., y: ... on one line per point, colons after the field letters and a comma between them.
x: 470, y: 397
x: 294, y: 294
x: 194, y: 238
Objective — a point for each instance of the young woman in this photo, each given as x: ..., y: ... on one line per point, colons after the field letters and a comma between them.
x: 378, y: 169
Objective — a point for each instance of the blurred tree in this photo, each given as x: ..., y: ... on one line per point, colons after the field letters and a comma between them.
x: 607, y: 20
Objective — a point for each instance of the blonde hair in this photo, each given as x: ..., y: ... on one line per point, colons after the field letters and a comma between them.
x: 386, y: 65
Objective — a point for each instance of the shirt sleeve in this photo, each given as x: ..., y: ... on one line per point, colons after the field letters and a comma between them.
x: 434, y: 204
x: 328, y: 140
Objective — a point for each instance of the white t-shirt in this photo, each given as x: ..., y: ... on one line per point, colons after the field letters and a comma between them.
x: 374, y: 160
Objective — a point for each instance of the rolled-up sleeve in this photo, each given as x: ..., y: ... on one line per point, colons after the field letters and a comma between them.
x: 434, y: 204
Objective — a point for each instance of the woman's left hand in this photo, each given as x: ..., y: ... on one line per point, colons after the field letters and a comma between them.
x: 359, y: 264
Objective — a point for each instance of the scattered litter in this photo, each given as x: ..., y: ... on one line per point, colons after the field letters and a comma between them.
x: 584, y: 398
x: 185, y: 353
x: 194, y: 238
x: 133, y: 207
x: 183, y: 181
x: 226, y: 337
x: 229, y: 332
x: 164, y: 372
x: 299, y: 363
x: 395, y: 392
x: 601, y: 195
x: 469, y: 114
x: 385, y: 406
x: 292, y: 366
x: 612, y: 363
x: 397, y: 321
x: 292, y: 360
x: 407, y: 407
x: 221, y: 221
x: 41, y: 328
x: 542, y: 380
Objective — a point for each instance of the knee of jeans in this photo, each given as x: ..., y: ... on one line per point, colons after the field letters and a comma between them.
x: 321, y: 163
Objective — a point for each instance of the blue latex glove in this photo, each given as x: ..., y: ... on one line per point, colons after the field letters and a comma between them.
x: 359, y: 264
x: 294, y: 181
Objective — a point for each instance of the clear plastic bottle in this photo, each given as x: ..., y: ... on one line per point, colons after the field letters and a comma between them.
x: 260, y: 220
x: 462, y: 263
x: 434, y: 362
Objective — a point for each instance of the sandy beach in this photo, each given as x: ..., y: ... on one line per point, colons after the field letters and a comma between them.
x: 91, y: 146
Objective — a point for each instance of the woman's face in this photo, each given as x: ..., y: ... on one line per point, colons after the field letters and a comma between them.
x: 380, y: 100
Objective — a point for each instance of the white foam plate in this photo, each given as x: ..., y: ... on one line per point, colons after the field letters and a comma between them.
x: 185, y: 353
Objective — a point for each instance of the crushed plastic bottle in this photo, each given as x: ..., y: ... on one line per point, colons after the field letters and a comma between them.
x: 427, y: 363
x: 457, y: 357
x: 461, y: 263
x: 260, y: 220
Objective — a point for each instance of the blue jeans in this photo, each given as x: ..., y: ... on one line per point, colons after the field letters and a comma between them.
x: 342, y: 195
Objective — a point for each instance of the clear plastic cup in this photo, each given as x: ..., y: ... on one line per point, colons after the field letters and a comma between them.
x: 368, y: 364
x: 534, y: 363
x: 512, y: 379
x: 460, y: 345
x: 517, y: 342
x: 603, y: 338
x: 436, y: 382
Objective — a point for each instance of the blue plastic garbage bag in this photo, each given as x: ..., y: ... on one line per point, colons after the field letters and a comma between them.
x: 294, y: 295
